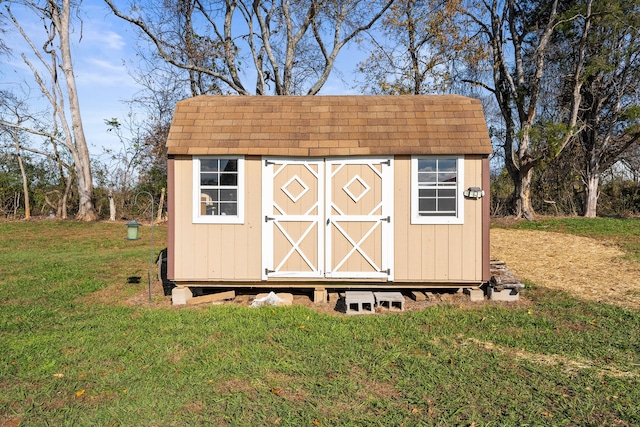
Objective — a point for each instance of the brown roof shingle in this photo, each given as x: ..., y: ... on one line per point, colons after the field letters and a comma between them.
x: 328, y: 125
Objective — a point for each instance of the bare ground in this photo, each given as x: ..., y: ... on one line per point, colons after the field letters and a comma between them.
x: 582, y: 266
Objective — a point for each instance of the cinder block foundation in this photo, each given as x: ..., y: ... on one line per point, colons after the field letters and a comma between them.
x: 475, y: 295
x: 390, y: 300
x: 359, y: 302
x: 504, y: 295
x: 180, y: 295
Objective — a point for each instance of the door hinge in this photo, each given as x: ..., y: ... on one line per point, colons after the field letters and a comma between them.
x: 388, y: 271
x: 388, y: 219
x: 268, y: 218
x: 386, y: 162
x: 267, y: 163
x: 267, y: 271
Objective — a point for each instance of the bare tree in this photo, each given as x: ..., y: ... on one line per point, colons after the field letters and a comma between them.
x: 610, y: 109
x: 518, y: 35
x: 284, y: 47
x: 55, y: 56
x: 415, y: 47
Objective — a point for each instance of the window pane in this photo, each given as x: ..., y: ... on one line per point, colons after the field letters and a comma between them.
x: 427, y: 177
x: 447, y: 177
x: 208, y: 203
x: 447, y: 165
x: 230, y: 165
x: 228, y: 209
x: 229, y: 179
x: 207, y: 178
x: 447, y: 205
x: 208, y: 165
x: 427, y: 205
x: 427, y: 192
x: 447, y: 192
x: 228, y: 195
x: 427, y: 165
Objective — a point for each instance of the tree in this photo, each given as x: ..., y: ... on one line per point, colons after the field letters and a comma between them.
x: 609, y: 108
x: 222, y: 46
x: 10, y: 105
x: 62, y: 95
x: 518, y: 35
x: 420, y: 43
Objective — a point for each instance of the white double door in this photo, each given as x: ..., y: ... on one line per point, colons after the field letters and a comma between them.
x: 328, y: 218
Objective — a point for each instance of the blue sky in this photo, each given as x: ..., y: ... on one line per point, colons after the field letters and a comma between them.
x: 101, y: 60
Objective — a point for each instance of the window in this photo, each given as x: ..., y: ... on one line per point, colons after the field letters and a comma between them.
x: 436, y: 193
x: 218, y: 184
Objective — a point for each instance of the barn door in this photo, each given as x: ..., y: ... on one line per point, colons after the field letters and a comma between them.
x: 293, y: 194
x: 359, y: 206
x: 327, y: 218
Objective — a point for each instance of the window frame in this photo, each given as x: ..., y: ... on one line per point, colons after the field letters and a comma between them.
x: 199, y: 218
x: 458, y: 218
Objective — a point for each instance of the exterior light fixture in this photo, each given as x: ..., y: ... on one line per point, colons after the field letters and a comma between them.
x: 132, y: 230
x: 473, y: 193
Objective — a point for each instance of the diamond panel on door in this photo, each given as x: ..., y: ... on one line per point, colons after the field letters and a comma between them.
x: 358, y: 217
x: 293, y: 212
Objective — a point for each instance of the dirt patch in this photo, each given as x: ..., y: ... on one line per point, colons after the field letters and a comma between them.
x: 582, y: 266
x: 569, y: 365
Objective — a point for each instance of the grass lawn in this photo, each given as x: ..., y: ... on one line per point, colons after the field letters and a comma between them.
x: 68, y: 358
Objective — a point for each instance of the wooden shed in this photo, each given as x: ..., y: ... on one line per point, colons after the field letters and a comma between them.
x: 328, y: 192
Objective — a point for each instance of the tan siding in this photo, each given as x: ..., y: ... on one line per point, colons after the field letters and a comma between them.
x: 437, y: 253
x: 215, y: 251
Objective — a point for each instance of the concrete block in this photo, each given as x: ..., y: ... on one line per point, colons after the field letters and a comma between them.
x: 319, y: 295
x: 180, y: 295
x: 390, y: 300
x: 475, y: 295
x: 359, y: 302
x: 504, y: 295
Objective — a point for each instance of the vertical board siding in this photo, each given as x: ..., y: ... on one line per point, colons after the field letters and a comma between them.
x: 217, y: 251
x: 437, y: 253
x: 423, y: 253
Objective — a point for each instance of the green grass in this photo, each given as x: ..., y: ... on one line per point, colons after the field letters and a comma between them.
x: 70, y: 359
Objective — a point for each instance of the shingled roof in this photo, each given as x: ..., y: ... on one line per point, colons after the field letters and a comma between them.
x: 328, y: 125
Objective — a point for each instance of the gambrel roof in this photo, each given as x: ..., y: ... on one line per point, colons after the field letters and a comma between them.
x: 328, y: 125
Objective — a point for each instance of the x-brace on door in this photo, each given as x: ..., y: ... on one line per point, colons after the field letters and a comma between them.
x: 328, y: 218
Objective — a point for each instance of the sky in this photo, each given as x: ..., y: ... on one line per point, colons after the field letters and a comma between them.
x: 102, y: 57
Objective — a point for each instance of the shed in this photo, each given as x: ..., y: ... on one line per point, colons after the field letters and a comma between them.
x: 328, y: 192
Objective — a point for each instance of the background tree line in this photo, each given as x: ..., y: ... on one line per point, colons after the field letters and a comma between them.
x: 559, y: 82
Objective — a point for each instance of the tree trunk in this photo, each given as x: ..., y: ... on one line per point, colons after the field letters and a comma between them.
x: 25, y: 189
x: 112, y: 207
x: 591, y: 190
x: 522, y: 195
x: 161, y: 204
x: 82, y: 160
x: 25, y: 182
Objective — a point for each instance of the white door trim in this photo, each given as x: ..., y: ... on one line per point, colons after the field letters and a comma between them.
x: 273, y: 220
x: 382, y: 220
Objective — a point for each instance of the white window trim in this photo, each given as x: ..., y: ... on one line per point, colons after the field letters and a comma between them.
x: 217, y: 219
x: 418, y: 219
